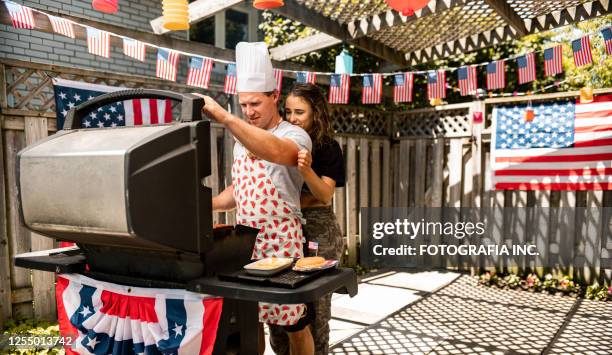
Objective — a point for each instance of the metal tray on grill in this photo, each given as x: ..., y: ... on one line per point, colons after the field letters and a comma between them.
x: 287, y: 279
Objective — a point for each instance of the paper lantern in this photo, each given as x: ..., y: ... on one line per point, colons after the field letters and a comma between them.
x: 586, y: 95
x: 267, y: 4
x: 407, y: 7
x: 106, y: 6
x: 176, y: 15
x: 529, y: 114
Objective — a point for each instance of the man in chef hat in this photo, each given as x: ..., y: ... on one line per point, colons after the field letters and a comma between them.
x: 266, y: 184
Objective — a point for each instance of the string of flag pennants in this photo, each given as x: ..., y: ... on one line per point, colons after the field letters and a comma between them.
x: 199, y: 71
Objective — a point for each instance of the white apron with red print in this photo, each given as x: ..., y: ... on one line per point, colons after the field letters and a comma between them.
x: 260, y: 205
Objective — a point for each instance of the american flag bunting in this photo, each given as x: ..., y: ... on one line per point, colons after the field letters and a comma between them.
x: 339, y: 89
x: 167, y: 62
x: 467, y: 79
x: 607, y: 36
x: 371, y: 92
x: 98, y: 42
x: 436, y: 84
x: 553, y: 60
x: 526, y: 68
x: 402, y: 88
x: 496, y: 75
x: 278, y: 76
x: 61, y: 26
x: 199, y: 72
x: 134, y: 49
x: 230, y: 80
x: 581, y: 48
x: 21, y: 16
x: 304, y: 77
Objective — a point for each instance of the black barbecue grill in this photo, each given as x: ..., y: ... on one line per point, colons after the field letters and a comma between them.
x: 133, y: 201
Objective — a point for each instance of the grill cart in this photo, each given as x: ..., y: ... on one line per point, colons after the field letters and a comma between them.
x: 133, y: 201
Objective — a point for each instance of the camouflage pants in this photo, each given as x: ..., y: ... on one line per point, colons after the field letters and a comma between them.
x: 321, y: 226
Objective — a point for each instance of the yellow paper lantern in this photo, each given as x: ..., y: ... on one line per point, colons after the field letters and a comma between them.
x: 586, y: 95
x: 176, y: 15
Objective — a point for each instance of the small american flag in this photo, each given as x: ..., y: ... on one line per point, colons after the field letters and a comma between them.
x: 496, y: 75
x: 304, y: 77
x: 402, y: 90
x: 278, y: 76
x: 553, y: 60
x: 134, y: 49
x: 526, y: 68
x: 436, y: 84
x: 21, y: 16
x: 468, y: 83
x: 607, y: 36
x: 567, y: 146
x: 371, y: 92
x: 339, y: 89
x: 167, y: 62
x: 582, y: 51
x: 230, y: 80
x: 199, y: 72
x: 62, y: 26
x: 98, y: 42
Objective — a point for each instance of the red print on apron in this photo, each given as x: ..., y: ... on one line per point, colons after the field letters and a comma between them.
x: 260, y: 205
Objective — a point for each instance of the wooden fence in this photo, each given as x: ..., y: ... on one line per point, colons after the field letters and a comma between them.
x: 430, y: 157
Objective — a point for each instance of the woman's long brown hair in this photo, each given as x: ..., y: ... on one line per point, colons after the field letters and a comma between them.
x: 321, y: 124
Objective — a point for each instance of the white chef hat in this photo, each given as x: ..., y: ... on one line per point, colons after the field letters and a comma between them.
x: 254, y: 72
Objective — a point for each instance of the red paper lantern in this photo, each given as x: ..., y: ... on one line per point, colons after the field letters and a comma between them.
x: 407, y: 7
x: 106, y: 6
x: 267, y: 4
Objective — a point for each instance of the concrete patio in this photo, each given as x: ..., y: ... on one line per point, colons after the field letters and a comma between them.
x: 438, y: 312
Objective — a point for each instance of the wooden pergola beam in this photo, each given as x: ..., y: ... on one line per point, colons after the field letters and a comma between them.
x: 507, y: 13
x: 198, y: 10
x: 303, y: 46
x: 302, y: 14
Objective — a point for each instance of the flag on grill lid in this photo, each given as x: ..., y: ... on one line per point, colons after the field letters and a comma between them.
x: 339, y: 89
x: 199, y: 72
x: 278, y: 76
x: 372, y: 89
x: 61, y: 26
x: 21, y: 16
x: 304, y: 77
x: 468, y: 82
x: 607, y: 36
x: 69, y: 94
x: 134, y: 49
x: 567, y: 146
x: 402, y: 88
x: 98, y: 42
x: 496, y: 75
x: 581, y: 48
x: 230, y: 80
x: 526, y: 68
x: 553, y: 60
x: 167, y: 63
x: 436, y: 84
x: 106, y: 318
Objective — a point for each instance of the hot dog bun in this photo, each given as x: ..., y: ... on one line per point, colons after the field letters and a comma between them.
x: 309, y: 262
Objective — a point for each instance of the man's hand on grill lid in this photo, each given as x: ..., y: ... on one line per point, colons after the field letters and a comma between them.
x: 213, y: 110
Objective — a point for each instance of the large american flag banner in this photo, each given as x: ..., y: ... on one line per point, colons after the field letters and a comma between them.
x: 167, y: 63
x: 199, y: 72
x: 496, y: 75
x: 526, y: 68
x: 371, y: 92
x: 134, y: 49
x: 567, y: 146
x: 402, y: 88
x: 106, y: 318
x: 306, y: 77
x: 436, y: 84
x: 229, y: 86
x: 553, y: 60
x: 468, y: 82
x: 69, y: 94
x: 278, y: 76
x: 607, y: 36
x: 581, y: 48
x: 21, y: 16
x: 62, y: 26
x: 98, y: 42
x: 339, y: 88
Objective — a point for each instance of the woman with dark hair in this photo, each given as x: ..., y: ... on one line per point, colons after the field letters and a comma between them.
x: 323, y: 171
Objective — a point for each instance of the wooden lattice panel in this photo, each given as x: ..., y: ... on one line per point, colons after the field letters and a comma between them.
x: 528, y: 9
x: 345, y: 11
x: 354, y: 120
x: 432, y: 123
